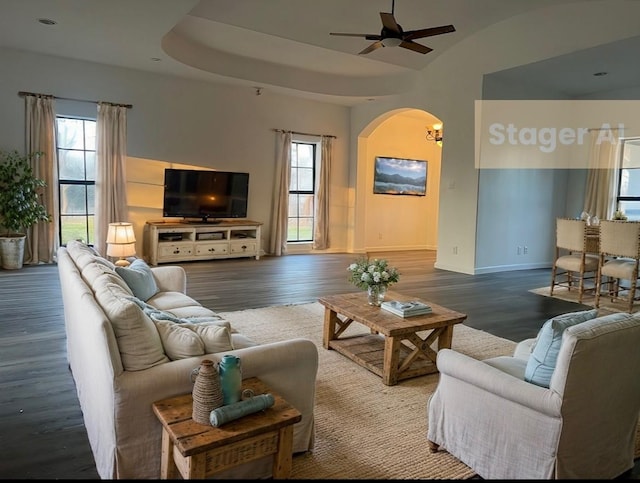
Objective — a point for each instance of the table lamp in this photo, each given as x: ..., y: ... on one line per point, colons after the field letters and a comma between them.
x: 121, y: 242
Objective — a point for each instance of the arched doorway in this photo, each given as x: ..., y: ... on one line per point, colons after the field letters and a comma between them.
x: 389, y: 222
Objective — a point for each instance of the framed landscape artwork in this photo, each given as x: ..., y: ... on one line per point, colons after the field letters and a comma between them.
x: 397, y: 176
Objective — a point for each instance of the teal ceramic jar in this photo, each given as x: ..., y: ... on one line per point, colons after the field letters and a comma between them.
x: 230, y: 370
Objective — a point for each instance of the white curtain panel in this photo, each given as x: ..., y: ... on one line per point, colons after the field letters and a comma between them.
x: 280, y: 209
x: 321, y: 227
x: 111, y: 156
x: 42, y: 238
x: 602, y: 176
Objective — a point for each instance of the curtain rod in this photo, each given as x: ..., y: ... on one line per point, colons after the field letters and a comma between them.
x: 306, y: 133
x: 23, y: 93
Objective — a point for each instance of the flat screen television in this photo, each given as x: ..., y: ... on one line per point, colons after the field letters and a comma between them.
x: 206, y: 195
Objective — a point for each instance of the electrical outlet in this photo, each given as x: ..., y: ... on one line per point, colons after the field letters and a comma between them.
x: 455, y: 250
x: 519, y: 251
x: 525, y: 250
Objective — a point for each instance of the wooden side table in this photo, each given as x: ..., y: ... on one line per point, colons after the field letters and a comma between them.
x: 193, y: 450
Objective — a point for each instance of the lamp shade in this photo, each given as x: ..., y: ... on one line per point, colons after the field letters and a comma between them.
x: 121, y: 241
x: 121, y: 249
x: 120, y: 233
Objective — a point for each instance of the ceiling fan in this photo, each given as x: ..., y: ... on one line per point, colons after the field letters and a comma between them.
x: 392, y: 35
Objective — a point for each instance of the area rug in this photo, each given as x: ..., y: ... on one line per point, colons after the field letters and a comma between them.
x: 606, y: 305
x: 365, y: 429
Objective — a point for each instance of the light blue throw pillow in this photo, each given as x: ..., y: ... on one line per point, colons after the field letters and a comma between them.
x: 139, y: 277
x: 542, y: 360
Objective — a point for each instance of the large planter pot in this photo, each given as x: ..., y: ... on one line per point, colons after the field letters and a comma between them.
x: 12, y: 251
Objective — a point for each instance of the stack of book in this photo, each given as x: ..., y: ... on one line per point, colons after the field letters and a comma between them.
x: 406, y: 309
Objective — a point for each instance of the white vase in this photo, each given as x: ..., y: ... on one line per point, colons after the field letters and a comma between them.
x: 375, y: 294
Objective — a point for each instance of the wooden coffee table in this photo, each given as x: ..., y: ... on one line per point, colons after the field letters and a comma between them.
x: 193, y: 450
x: 396, y: 348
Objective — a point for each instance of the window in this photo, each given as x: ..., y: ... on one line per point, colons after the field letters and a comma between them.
x: 628, y: 199
x: 76, y: 149
x: 302, y: 192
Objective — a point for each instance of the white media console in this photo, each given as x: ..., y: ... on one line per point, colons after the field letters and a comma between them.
x: 180, y: 242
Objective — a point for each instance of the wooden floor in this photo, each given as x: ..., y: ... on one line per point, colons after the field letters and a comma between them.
x: 42, y: 432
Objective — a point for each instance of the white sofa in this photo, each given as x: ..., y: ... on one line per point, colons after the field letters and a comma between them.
x: 120, y: 367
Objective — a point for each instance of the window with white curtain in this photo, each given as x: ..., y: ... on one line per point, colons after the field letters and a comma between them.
x: 628, y: 196
x: 76, y: 150
x: 302, y: 192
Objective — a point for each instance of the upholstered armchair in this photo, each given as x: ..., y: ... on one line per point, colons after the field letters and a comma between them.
x: 583, y: 425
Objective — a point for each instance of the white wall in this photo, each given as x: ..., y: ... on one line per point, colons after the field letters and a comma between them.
x: 179, y: 121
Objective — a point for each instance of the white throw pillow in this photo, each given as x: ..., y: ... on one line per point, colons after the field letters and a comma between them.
x: 138, y: 340
x: 181, y: 341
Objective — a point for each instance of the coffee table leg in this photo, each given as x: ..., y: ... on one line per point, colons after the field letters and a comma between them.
x: 168, y: 468
x: 391, y: 360
x: 445, y: 338
x: 282, y: 459
x: 329, y: 331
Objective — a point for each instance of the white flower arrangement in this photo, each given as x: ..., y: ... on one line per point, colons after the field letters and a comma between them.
x: 365, y: 273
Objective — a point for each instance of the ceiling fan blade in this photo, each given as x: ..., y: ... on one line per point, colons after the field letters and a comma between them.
x: 389, y: 22
x: 366, y: 36
x: 371, y: 48
x: 430, y: 32
x: 411, y: 45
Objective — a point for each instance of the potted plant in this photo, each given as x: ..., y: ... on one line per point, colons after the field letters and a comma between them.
x: 20, y: 205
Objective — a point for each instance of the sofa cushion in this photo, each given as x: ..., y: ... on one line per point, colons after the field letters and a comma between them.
x: 181, y: 341
x: 186, y: 309
x: 191, y: 311
x: 138, y: 339
x: 83, y: 255
x: 172, y: 300
x: 544, y: 355
x: 139, y: 278
x: 97, y: 270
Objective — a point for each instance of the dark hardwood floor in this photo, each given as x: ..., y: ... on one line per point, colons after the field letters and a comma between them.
x: 42, y: 434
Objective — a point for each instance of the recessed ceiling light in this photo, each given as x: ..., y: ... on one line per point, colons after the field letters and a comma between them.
x: 599, y: 74
x: 47, y: 21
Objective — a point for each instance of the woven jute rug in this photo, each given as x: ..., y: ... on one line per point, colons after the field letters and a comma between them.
x: 365, y: 429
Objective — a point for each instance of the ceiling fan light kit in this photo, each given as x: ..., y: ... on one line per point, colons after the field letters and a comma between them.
x: 392, y: 35
x: 391, y: 42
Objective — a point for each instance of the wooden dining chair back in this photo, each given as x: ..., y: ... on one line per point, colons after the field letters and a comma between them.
x: 619, y: 260
x: 573, y: 265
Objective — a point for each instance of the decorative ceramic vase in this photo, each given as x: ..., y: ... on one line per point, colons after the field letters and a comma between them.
x: 375, y: 294
x: 207, y: 391
x: 230, y: 379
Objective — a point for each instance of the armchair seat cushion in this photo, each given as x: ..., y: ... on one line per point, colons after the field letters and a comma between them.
x: 513, y: 366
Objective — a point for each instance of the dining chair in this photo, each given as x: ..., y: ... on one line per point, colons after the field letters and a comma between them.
x: 573, y: 263
x: 619, y: 260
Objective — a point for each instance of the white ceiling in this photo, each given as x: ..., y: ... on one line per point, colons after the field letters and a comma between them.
x: 284, y: 45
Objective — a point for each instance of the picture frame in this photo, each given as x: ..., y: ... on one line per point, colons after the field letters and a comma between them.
x: 400, y: 176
